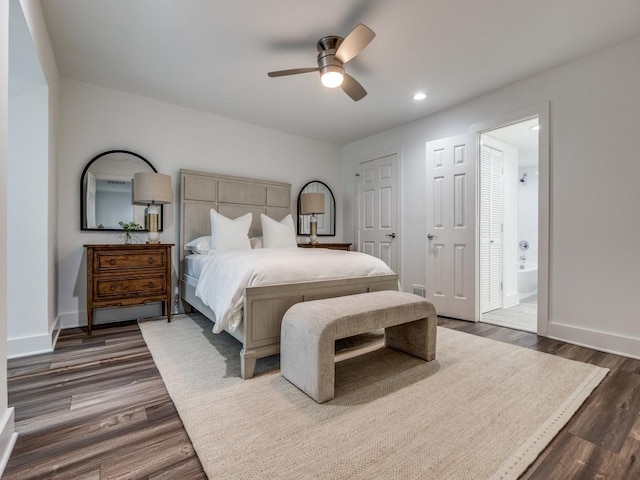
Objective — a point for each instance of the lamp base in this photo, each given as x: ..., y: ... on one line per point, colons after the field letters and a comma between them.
x: 313, y: 225
x: 153, y: 214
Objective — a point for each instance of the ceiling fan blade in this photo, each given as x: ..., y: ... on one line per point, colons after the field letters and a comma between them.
x: 352, y: 88
x: 354, y: 43
x: 293, y: 71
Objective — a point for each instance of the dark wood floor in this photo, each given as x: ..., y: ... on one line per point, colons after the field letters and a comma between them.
x: 96, y: 408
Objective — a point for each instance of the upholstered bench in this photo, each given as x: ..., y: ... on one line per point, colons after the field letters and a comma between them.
x: 310, y: 329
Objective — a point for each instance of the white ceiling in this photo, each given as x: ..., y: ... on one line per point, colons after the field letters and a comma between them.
x: 214, y: 55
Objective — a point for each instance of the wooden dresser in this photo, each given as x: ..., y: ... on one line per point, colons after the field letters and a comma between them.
x: 332, y: 246
x: 126, y: 275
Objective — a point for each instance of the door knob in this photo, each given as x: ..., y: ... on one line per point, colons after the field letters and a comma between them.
x: 392, y: 235
x: 431, y: 237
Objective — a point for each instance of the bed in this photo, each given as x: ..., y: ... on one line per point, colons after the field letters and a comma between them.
x: 263, y: 306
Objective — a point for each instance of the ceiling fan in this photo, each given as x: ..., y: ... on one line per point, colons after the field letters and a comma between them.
x: 334, y: 52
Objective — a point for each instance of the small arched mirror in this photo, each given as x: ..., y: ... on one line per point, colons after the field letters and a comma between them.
x: 105, y: 191
x: 326, y: 220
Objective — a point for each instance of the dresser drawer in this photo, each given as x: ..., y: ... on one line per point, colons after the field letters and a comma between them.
x: 129, y: 260
x: 113, y: 287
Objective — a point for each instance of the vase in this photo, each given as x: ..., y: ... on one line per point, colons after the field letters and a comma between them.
x: 127, y: 238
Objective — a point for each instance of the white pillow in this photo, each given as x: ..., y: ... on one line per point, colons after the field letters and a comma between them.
x: 227, y: 234
x: 200, y: 245
x: 278, y: 234
x: 256, y: 242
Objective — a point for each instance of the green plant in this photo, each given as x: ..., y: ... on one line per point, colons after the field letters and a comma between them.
x: 128, y: 228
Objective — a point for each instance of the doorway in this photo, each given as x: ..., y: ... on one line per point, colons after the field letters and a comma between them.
x: 378, y: 207
x: 508, y: 225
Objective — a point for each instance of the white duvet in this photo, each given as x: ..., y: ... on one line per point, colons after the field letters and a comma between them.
x: 225, y: 274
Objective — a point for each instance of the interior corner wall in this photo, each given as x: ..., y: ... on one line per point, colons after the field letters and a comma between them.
x: 34, y: 80
x: 27, y: 200
x: 594, y: 104
x: 7, y: 430
x: 94, y: 119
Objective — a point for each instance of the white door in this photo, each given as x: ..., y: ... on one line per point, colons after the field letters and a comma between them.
x: 377, y: 216
x: 451, y: 248
x: 490, y: 228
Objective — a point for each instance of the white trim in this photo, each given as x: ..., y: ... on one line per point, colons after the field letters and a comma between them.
x: 8, y: 437
x: 511, y: 300
x: 54, y: 331
x: 540, y: 110
x: 72, y: 319
x: 35, y: 344
x: 596, y: 339
x: 24, y: 346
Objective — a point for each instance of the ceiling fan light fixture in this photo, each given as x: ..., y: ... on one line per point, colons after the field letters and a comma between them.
x: 332, y: 76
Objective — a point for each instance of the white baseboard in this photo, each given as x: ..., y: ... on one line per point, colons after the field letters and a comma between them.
x: 603, y: 341
x: 8, y: 437
x: 55, y: 332
x: 110, y: 315
x: 25, y: 346
x: 72, y: 319
x: 511, y: 300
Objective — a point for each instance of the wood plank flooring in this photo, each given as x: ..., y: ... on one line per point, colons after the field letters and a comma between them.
x: 96, y: 408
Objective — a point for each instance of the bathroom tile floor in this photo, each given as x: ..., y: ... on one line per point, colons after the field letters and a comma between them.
x: 523, y: 316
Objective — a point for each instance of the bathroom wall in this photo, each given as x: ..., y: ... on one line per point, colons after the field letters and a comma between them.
x: 528, y: 207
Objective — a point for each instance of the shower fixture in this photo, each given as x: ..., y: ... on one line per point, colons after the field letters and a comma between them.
x: 523, y: 178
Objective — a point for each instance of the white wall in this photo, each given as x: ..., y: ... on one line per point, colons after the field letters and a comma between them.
x: 34, y: 85
x: 595, y: 104
x: 528, y: 212
x: 95, y: 119
x: 7, y: 431
x: 27, y: 213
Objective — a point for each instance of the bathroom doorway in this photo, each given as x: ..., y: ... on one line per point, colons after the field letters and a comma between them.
x: 508, y: 225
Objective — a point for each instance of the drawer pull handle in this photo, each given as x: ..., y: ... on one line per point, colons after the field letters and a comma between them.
x: 150, y: 285
x: 112, y: 261
x: 150, y: 260
x: 112, y: 288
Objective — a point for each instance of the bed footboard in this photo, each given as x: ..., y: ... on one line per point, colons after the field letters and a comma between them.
x: 265, y: 306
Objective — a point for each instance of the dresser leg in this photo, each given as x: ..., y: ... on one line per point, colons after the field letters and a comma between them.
x: 89, y: 319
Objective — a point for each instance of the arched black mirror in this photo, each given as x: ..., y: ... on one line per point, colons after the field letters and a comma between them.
x: 105, y: 191
x: 326, y: 220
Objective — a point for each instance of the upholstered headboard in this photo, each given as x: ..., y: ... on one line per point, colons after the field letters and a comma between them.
x: 231, y: 197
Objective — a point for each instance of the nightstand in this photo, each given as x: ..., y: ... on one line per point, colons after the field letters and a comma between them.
x: 125, y: 275
x: 332, y: 246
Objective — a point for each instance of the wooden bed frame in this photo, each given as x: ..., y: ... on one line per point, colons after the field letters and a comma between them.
x: 264, y: 306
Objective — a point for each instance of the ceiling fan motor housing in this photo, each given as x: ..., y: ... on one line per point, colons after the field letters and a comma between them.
x: 327, y: 61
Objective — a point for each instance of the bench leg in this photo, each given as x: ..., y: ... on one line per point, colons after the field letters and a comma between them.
x: 308, y: 361
x: 415, y: 338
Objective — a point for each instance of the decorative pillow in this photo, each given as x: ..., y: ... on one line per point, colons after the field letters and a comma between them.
x: 227, y: 234
x: 256, y: 242
x: 200, y: 245
x: 278, y: 234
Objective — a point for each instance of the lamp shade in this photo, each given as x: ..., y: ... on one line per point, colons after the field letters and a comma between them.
x: 151, y: 188
x: 311, y: 203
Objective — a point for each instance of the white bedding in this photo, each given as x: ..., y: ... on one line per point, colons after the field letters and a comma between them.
x: 225, y: 274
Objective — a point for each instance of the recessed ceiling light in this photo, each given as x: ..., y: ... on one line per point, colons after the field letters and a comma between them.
x: 535, y: 127
x: 419, y: 96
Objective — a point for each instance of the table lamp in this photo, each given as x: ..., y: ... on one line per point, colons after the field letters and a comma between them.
x: 153, y: 190
x: 311, y: 204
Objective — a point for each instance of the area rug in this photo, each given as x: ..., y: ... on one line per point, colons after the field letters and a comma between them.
x: 483, y: 409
